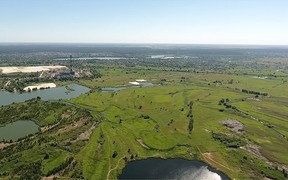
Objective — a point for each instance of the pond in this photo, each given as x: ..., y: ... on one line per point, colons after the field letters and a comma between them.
x: 116, y: 89
x: 71, y: 91
x: 146, y: 84
x: 156, y: 168
x: 18, y: 129
x: 111, y: 89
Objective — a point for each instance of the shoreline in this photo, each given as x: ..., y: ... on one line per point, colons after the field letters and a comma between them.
x: 39, y: 86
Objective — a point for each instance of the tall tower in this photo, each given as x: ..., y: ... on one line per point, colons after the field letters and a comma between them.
x: 71, y: 63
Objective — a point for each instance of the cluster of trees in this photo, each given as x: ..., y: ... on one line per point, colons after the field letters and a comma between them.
x: 144, y: 116
x: 30, y: 109
x: 225, y: 103
x: 228, y: 140
x: 17, y: 81
x: 101, y: 139
x: 254, y: 92
x: 14, y: 85
x: 29, y: 171
x: 114, y: 155
x: 170, y: 122
x: 190, y: 116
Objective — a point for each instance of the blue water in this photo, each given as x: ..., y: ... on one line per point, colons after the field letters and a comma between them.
x: 116, y: 89
x: 57, y: 93
x: 180, y: 169
x: 18, y: 129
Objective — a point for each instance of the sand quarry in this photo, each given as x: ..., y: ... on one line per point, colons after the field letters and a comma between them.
x: 29, y: 69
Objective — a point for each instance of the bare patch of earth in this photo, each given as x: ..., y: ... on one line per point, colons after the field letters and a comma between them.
x: 68, y: 114
x: 86, y: 135
x: 81, y: 122
x: 254, y: 149
x: 47, y: 128
x: 253, y: 99
x: 234, y: 125
x: 140, y: 141
x: 3, y: 145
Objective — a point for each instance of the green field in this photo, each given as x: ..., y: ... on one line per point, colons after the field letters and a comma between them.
x: 138, y: 123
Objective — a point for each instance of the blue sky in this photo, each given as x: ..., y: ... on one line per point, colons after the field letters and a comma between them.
x: 145, y: 21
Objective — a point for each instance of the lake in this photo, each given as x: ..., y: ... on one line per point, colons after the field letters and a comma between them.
x: 18, y: 129
x: 72, y: 91
x: 180, y: 169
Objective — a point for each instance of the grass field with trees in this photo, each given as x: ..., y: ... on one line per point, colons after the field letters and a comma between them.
x: 227, y: 108
x: 180, y: 116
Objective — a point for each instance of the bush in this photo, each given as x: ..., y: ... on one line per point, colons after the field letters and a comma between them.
x: 227, y: 140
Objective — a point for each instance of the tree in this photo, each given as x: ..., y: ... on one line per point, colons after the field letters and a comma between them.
x: 114, y: 154
x: 190, y: 126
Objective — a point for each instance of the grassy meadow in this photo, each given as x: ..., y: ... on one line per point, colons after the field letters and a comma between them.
x: 179, y: 116
x: 165, y: 130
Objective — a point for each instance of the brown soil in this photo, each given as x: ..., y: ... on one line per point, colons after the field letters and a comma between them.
x: 86, y: 135
x: 234, y: 125
x: 142, y: 144
x: 47, y: 128
x: 68, y: 114
x: 81, y: 122
x: 253, y: 149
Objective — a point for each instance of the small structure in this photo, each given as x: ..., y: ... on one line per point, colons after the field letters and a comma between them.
x: 135, y: 83
x: 65, y: 74
x: 140, y: 80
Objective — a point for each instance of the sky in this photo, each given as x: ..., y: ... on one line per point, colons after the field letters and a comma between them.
x: 145, y: 21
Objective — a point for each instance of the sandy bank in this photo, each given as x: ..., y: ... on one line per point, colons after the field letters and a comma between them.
x: 40, y: 86
x: 29, y: 69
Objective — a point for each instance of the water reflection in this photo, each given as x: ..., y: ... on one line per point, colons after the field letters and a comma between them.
x: 71, y: 91
x: 116, y: 89
x: 178, y: 169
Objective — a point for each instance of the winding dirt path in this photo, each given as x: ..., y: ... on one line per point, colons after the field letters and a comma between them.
x: 109, y: 172
x: 208, y: 157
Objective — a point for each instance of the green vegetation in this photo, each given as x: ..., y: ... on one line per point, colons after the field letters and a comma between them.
x: 43, y: 113
x: 94, y: 135
x: 228, y: 140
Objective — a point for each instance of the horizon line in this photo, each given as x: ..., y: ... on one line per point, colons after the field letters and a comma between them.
x: 146, y: 43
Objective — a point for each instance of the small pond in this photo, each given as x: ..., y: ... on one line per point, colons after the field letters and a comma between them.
x: 180, y: 169
x: 116, y: 89
x: 18, y: 129
x: 111, y: 89
x: 71, y: 91
x: 146, y: 84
